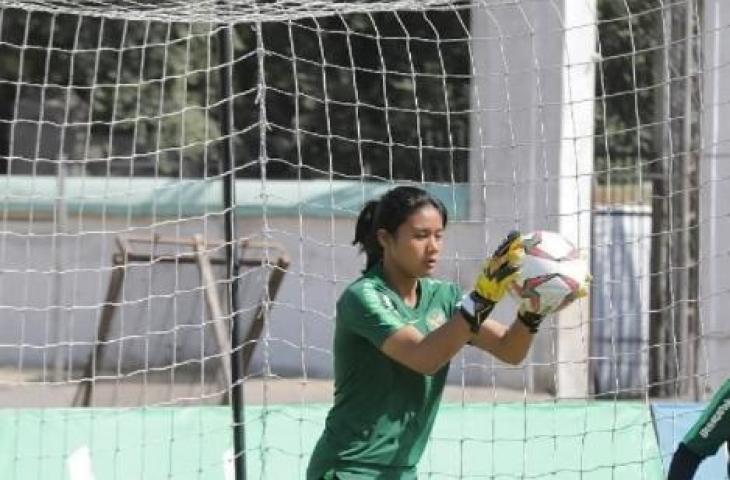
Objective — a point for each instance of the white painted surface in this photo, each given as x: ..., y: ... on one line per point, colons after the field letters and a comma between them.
x: 79, y: 465
x: 532, y: 150
x: 229, y: 469
x: 576, y: 177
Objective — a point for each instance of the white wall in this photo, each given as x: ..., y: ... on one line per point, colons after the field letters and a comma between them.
x: 297, y: 338
x: 532, y: 148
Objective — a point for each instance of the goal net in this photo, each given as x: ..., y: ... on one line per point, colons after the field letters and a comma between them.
x: 122, y: 292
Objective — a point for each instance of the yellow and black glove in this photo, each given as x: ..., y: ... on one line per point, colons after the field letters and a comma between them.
x: 532, y: 320
x: 493, y: 281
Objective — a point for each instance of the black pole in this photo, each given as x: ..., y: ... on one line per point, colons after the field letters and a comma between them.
x: 232, y: 266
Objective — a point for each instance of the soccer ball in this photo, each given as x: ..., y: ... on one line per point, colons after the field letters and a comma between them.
x: 551, y: 274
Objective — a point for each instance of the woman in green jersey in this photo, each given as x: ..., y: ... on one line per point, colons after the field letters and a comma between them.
x: 396, y: 330
x: 704, y: 438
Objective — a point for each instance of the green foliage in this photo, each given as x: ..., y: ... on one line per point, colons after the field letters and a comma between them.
x: 383, y: 95
x: 147, y: 83
x: 628, y: 88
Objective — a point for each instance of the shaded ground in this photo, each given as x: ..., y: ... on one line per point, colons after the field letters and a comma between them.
x: 29, y: 390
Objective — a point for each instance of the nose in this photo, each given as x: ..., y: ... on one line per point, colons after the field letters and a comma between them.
x: 434, y: 244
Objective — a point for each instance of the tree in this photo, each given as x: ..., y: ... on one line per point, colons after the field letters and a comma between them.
x: 381, y: 95
x: 628, y: 86
x: 644, y: 90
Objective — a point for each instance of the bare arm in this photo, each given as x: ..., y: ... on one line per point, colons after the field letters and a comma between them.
x: 508, y: 344
x: 426, y: 354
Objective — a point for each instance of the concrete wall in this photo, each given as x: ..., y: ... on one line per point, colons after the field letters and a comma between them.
x: 532, y: 148
x: 159, y: 322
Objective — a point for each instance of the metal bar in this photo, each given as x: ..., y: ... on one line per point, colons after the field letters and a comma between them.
x: 178, y: 258
x: 257, y: 326
x: 85, y: 390
x: 232, y: 264
x: 216, y: 312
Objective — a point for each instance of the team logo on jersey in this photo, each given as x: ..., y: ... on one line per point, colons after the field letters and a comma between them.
x: 715, y: 419
x: 379, y: 299
x: 435, y: 319
x: 387, y: 302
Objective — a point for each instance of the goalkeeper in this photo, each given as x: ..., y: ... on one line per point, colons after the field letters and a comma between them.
x: 396, y: 330
x: 704, y: 438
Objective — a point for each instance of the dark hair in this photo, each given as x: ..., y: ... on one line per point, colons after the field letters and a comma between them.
x: 388, y: 213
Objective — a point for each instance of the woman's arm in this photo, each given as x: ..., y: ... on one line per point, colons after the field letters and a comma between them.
x: 508, y: 344
x: 427, y: 354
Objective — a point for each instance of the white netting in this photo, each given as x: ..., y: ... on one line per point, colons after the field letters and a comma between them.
x: 231, y: 11
x: 601, y: 119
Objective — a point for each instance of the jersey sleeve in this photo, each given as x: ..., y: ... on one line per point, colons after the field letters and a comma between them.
x: 369, y: 313
x: 713, y: 427
x: 453, y: 296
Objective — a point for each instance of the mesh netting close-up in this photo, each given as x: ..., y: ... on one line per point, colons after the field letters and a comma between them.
x: 180, y: 188
x: 229, y: 11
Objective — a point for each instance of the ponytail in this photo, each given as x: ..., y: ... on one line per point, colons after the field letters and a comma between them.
x: 366, y: 234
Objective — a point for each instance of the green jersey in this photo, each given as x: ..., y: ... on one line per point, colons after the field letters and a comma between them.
x: 383, y: 411
x: 713, y: 427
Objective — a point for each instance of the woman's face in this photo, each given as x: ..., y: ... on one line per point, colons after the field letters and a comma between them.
x: 416, y: 246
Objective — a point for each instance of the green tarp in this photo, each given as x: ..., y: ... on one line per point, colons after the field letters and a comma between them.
x: 587, y: 441
x: 182, y: 198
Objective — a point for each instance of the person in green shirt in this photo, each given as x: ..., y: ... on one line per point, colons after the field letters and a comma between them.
x: 397, y: 329
x: 710, y: 431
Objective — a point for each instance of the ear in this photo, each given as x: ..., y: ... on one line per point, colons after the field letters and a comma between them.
x: 384, y: 238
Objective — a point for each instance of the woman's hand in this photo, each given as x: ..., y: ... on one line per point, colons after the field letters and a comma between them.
x: 493, y: 281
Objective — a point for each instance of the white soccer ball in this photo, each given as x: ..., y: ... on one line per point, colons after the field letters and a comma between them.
x: 551, y: 273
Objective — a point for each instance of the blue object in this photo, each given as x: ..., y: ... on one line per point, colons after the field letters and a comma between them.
x: 672, y: 422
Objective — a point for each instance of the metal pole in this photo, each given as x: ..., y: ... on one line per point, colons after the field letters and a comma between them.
x: 232, y: 265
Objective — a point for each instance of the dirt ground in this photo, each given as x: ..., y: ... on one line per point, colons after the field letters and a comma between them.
x: 31, y: 389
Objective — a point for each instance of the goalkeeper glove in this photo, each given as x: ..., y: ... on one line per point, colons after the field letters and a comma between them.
x: 532, y: 319
x: 493, y: 281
